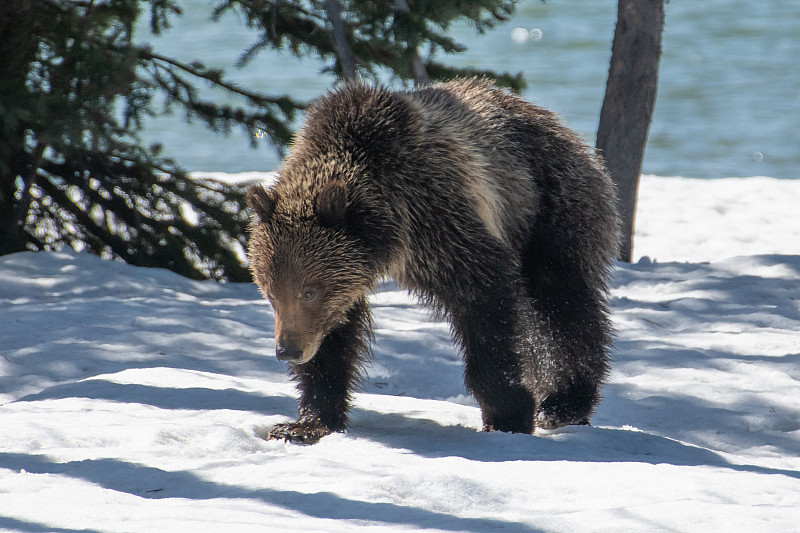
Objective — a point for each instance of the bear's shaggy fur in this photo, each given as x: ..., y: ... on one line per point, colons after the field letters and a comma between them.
x: 483, y: 205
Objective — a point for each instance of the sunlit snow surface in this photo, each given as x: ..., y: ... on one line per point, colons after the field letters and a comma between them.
x: 132, y: 399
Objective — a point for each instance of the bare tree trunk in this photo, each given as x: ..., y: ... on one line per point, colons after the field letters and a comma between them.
x: 347, y: 58
x: 417, y: 66
x: 629, y: 101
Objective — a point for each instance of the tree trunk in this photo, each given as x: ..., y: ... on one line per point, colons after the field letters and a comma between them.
x: 11, y: 239
x: 629, y: 101
x: 418, y: 69
x: 347, y: 58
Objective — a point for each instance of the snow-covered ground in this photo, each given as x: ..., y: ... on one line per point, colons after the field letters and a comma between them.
x: 132, y: 399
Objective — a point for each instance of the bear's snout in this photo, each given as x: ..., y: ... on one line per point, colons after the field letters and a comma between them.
x: 295, y: 348
x: 288, y: 351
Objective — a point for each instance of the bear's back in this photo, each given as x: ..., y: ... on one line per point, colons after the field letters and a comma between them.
x: 480, y: 131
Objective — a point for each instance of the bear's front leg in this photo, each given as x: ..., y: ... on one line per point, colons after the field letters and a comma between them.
x: 326, y: 381
x: 494, y: 333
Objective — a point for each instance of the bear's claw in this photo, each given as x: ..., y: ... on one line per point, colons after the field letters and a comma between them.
x: 297, y: 432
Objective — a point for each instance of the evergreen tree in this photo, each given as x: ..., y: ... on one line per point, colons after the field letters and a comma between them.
x: 368, y: 37
x: 73, y: 91
x: 75, y: 87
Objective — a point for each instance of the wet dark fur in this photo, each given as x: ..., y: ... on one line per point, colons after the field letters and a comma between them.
x: 484, y: 206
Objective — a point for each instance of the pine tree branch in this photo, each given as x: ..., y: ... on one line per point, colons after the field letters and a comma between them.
x: 116, y: 204
x: 221, y: 118
x: 87, y: 225
x: 215, y: 77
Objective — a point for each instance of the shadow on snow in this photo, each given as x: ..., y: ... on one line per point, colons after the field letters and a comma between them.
x: 190, y: 398
x: 15, y: 524
x: 113, y: 474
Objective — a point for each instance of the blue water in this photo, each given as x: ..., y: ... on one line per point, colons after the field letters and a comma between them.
x: 728, y: 98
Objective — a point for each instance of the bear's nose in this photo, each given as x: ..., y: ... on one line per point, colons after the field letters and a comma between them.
x: 288, y: 352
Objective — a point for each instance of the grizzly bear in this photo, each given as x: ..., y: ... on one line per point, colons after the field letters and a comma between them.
x: 482, y: 205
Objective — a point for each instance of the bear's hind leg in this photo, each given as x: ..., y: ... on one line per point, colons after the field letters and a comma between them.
x: 568, y: 377
x: 573, y: 323
x: 326, y: 381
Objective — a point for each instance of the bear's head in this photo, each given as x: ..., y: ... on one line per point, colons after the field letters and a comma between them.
x: 306, y: 262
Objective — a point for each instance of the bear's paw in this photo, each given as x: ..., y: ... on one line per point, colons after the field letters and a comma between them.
x: 553, y: 419
x: 297, y: 432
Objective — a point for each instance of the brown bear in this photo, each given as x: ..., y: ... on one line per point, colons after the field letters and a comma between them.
x: 483, y: 206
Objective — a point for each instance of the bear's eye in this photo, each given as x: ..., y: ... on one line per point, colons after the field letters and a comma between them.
x: 309, y: 295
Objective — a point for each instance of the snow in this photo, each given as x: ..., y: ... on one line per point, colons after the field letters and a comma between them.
x: 132, y: 399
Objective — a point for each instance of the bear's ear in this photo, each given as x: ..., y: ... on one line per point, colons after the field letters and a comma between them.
x: 331, y: 203
x: 262, y: 202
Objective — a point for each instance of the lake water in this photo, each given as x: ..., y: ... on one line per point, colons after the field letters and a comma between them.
x: 728, y: 97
